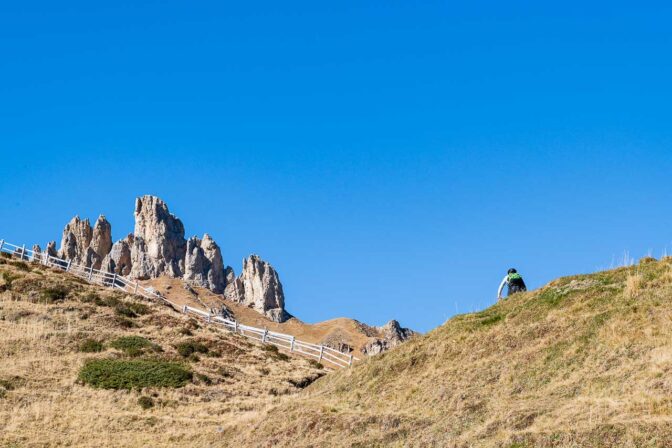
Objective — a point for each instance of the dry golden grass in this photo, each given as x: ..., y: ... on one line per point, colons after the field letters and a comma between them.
x: 42, y: 404
x: 578, y: 363
x: 348, y: 331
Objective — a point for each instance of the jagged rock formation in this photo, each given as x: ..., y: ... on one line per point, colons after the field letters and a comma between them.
x: 392, y: 336
x: 85, y: 245
x: 159, y: 247
x: 118, y: 260
x: 51, y: 249
x: 37, y: 251
x: 259, y: 287
x: 203, y: 265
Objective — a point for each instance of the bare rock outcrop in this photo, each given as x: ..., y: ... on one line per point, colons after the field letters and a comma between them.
x: 86, y: 245
x: 37, y: 252
x: 76, y: 239
x: 259, y: 287
x: 159, y: 246
x: 118, y: 261
x: 203, y: 265
x: 51, y: 249
x: 392, y: 335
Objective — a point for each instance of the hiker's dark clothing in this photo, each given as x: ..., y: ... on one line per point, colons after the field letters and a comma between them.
x: 515, y: 283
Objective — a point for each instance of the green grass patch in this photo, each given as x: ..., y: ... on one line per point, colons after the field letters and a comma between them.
x: 135, y: 345
x: 134, y: 374
x: 91, y: 346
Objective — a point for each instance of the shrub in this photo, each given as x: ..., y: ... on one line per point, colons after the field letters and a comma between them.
x: 146, y: 402
x: 9, y: 278
x: 134, y: 345
x: 5, y: 255
x: 315, y: 364
x: 124, y: 311
x: 205, y: 379
x: 20, y: 265
x: 54, y: 294
x: 133, y: 374
x: 139, y: 308
x: 189, y: 348
x: 282, y: 356
x: 125, y: 322
x: 276, y: 354
x: 91, y: 346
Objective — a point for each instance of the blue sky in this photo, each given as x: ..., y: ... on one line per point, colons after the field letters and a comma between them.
x: 390, y: 159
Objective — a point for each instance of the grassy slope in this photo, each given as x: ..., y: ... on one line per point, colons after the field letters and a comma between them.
x: 584, y: 361
x: 43, y: 404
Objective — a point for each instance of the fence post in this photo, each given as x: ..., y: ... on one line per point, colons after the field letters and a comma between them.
x: 23, y: 252
x: 90, y: 272
x: 291, y: 346
x: 321, y: 351
x: 136, y: 288
x: 209, y: 317
x: 2, y: 243
x: 350, y: 361
x: 184, y: 309
x: 263, y: 338
x: 114, y: 280
x: 67, y: 268
x: 45, y: 259
x: 235, y: 326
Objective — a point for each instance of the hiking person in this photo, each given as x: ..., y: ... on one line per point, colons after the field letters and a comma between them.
x: 515, y: 282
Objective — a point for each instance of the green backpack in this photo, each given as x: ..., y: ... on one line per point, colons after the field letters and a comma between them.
x: 515, y: 277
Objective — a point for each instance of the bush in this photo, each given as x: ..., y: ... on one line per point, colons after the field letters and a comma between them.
x: 185, y: 331
x: 188, y: 348
x: 54, y: 294
x: 133, y: 374
x: 146, y: 402
x: 315, y: 364
x: 205, y: 379
x: 276, y: 354
x: 91, y: 346
x: 124, y: 311
x: 125, y: 322
x: 9, y: 278
x: 20, y: 265
x: 134, y: 345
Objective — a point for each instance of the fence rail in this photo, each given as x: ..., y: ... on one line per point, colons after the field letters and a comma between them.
x: 115, y: 281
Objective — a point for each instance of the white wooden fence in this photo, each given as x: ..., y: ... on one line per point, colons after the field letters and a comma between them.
x: 263, y: 335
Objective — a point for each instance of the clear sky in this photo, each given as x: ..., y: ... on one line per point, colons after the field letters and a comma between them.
x: 391, y: 159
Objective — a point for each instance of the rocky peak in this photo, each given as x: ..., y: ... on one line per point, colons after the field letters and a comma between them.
x: 159, y: 247
x: 392, y: 335
x: 101, y: 239
x: 76, y: 239
x: 259, y: 287
x: 203, y: 264
x: 85, y: 245
x: 118, y: 260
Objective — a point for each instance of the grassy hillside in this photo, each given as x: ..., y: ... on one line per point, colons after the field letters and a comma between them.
x: 84, y: 366
x: 584, y: 361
